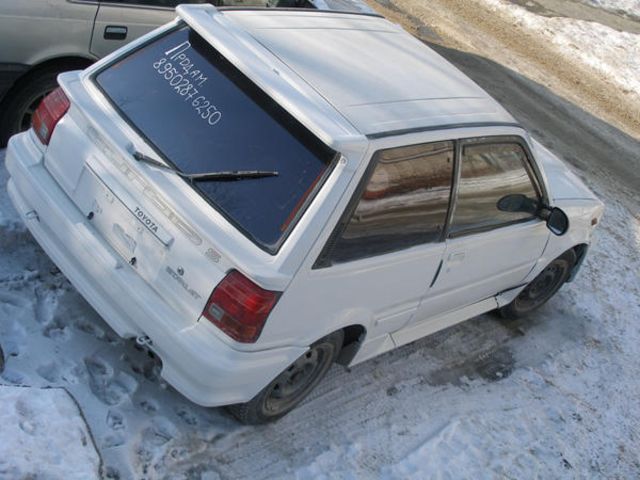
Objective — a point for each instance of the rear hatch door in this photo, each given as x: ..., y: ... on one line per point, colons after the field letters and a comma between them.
x: 178, y: 100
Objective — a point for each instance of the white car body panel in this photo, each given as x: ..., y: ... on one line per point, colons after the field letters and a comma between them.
x: 564, y: 184
x: 81, y: 197
x: 480, y: 265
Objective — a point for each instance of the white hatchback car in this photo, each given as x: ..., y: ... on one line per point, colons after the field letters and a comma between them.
x: 256, y: 194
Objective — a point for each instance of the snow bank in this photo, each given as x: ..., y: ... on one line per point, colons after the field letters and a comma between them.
x: 43, y: 435
x: 628, y: 7
x: 613, y: 55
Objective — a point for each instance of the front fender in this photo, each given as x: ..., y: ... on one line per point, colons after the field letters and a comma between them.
x: 583, y: 215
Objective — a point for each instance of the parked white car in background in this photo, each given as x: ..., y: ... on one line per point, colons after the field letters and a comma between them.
x: 39, y: 39
x: 256, y: 194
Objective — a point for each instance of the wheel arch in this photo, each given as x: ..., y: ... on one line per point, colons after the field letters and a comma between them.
x: 354, y: 336
x: 580, y: 251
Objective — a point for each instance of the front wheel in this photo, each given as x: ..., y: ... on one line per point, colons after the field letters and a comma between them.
x: 290, y: 387
x: 541, y: 288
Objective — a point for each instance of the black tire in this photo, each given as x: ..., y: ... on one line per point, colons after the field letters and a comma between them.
x: 22, y: 101
x: 289, y: 388
x: 1, y: 360
x: 541, y: 288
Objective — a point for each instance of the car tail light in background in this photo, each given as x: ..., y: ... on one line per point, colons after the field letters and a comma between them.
x: 239, y: 307
x: 49, y: 113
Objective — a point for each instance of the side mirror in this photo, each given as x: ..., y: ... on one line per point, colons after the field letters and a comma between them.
x: 557, y: 221
x: 516, y: 202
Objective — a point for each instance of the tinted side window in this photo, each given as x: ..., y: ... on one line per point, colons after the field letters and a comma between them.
x: 404, y: 203
x: 488, y: 173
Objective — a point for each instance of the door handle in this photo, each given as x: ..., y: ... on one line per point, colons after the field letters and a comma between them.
x: 115, y: 32
x: 456, y: 257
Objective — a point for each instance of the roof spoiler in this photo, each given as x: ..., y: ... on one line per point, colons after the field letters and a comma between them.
x: 267, y: 71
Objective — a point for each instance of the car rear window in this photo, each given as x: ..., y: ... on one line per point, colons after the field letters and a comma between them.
x: 202, y: 114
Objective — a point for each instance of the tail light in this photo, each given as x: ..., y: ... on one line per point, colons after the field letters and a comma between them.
x: 49, y: 113
x: 239, y: 307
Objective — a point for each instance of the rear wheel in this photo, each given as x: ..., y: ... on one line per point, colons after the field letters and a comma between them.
x: 541, y: 288
x: 292, y: 385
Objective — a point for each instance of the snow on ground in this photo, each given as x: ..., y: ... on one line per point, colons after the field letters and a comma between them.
x: 628, y: 7
x: 612, y: 54
x: 549, y: 396
x: 43, y: 435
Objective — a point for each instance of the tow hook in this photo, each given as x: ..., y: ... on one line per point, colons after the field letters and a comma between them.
x: 144, y: 341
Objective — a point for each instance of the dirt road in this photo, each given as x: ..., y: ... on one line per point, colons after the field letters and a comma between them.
x: 572, y: 110
x: 474, y: 27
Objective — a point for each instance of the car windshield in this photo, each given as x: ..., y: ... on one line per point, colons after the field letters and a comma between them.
x: 202, y: 114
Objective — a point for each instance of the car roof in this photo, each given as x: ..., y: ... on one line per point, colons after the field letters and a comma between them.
x: 376, y: 75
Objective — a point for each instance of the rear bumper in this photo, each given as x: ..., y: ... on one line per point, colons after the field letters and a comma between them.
x: 195, y: 361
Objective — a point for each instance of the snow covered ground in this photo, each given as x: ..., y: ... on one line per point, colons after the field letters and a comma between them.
x: 551, y: 396
x: 627, y: 7
x: 613, y: 54
x: 43, y: 435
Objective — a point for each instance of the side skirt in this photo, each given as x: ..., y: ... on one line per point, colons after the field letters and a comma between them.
x: 413, y: 332
x: 386, y: 342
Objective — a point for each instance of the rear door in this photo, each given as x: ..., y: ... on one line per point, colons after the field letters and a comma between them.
x: 177, y: 234
x: 120, y: 21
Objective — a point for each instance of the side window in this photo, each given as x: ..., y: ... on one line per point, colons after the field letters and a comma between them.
x: 403, y: 204
x: 488, y: 173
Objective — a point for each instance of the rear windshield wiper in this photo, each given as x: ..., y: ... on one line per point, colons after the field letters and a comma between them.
x: 207, y: 176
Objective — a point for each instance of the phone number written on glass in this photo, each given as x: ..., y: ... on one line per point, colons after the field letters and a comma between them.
x: 178, y: 70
